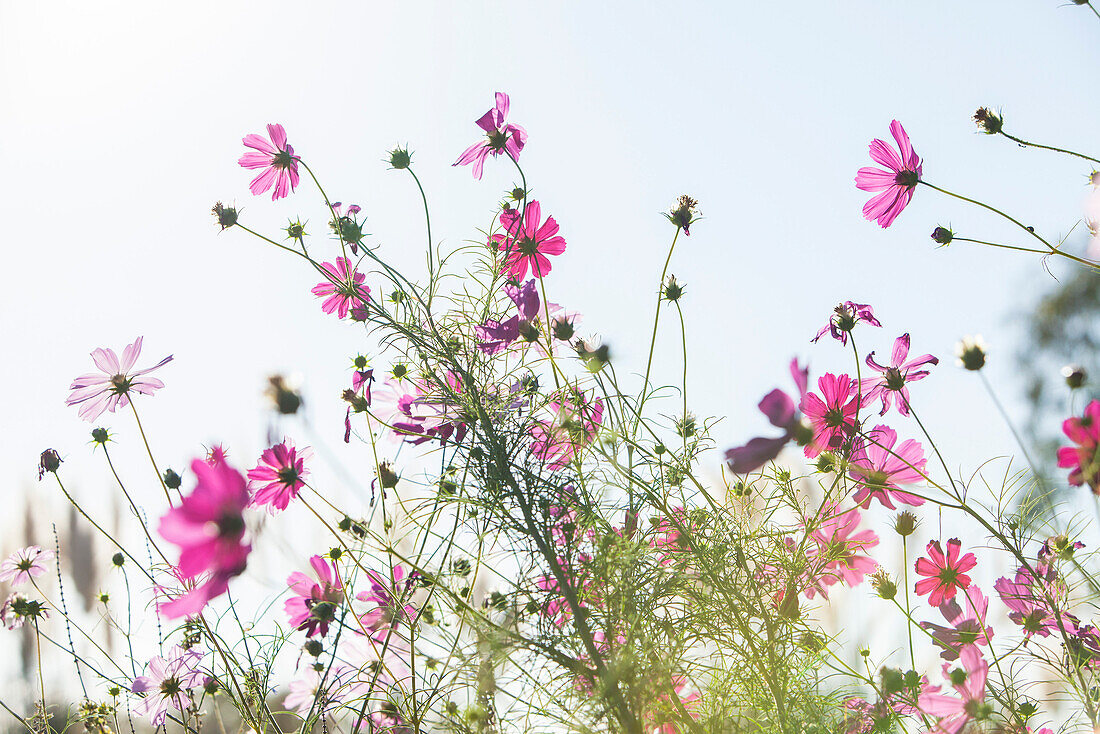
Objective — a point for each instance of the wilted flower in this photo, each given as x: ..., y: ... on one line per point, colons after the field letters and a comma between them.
x: 226, y: 215
x: 49, y: 462
x: 844, y: 319
x: 683, y: 213
x: 987, y: 121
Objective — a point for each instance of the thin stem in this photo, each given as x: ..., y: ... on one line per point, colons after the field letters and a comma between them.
x: 997, y: 244
x: 1026, y: 144
x: 149, y: 451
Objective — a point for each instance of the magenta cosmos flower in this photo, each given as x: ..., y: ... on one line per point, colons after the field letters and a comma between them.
x: 844, y: 318
x: 1083, y: 460
x: 967, y: 624
x: 527, y: 243
x: 897, y: 375
x: 277, y: 479
x: 344, y: 291
x: 18, y: 568
x: 167, y: 684
x: 276, y: 158
x: 110, y: 388
x: 833, y: 414
x: 839, y: 552
x: 390, y: 599
x: 313, y: 608
x: 969, y: 682
x: 879, y: 466
x: 500, y: 138
x: 782, y: 412
x: 575, y: 423
x: 208, y: 526
x: 945, y: 574
x: 896, y: 184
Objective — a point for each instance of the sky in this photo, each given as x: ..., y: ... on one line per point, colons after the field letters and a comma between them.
x: 121, y: 125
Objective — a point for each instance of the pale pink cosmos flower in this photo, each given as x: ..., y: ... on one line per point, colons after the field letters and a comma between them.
x: 110, y: 388
x: 277, y: 479
x: 896, y: 184
x: 838, y: 555
x: 500, y: 137
x: 18, y: 568
x: 344, y: 291
x: 309, y: 692
x: 944, y: 574
x: 313, y: 607
x: 527, y: 242
x: 897, y: 375
x: 576, y: 420
x: 208, y: 526
x: 967, y: 624
x: 879, y: 465
x: 167, y: 684
x: 833, y: 414
x: 390, y: 598
x: 969, y: 682
x: 276, y: 158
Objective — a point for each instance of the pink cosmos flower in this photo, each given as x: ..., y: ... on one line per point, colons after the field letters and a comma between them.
x: 844, y: 319
x: 838, y: 553
x: 896, y: 184
x: 418, y: 411
x: 308, y: 692
x: 390, y: 599
x: 277, y: 479
x: 347, y: 226
x: 208, y: 526
x: 879, y: 466
x: 344, y: 291
x: 897, y: 375
x: 168, y: 684
x: 1029, y: 597
x: 18, y: 568
x: 575, y: 423
x: 500, y: 137
x: 110, y: 389
x: 833, y: 415
x: 498, y: 335
x: 358, y: 397
x: 313, y: 608
x: 945, y: 574
x: 663, y: 720
x: 276, y: 158
x: 1084, y: 458
x: 967, y: 625
x: 527, y: 243
x: 17, y: 609
x: 969, y: 682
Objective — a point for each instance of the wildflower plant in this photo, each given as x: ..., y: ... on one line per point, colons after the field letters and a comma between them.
x: 547, y: 549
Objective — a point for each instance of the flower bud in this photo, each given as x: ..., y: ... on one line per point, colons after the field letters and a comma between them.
x: 100, y: 435
x: 943, y: 235
x: 295, y: 231
x: 971, y: 353
x: 49, y: 461
x: 460, y: 567
x: 117, y: 560
x: 226, y: 215
x: 905, y: 523
x: 171, y: 479
x: 883, y: 585
x: 672, y: 290
x: 286, y: 399
x: 1074, y: 375
x: 987, y: 121
x: 400, y: 158
x: 386, y: 476
x: 518, y: 194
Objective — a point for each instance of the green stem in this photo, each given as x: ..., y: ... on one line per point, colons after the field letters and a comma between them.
x: 150, y: 452
x: 1026, y: 144
x: 997, y: 244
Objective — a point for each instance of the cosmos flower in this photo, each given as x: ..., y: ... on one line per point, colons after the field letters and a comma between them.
x: 18, y: 568
x: 1083, y: 459
x: 111, y: 388
x: 879, y: 466
x: 969, y: 682
x: 277, y: 479
x: 575, y: 423
x: 833, y: 414
x: 897, y: 375
x: 167, y: 684
x: 313, y: 607
x: 527, y: 242
x: 276, y: 158
x: 944, y: 574
x: 344, y: 291
x: 782, y: 412
x: 896, y: 184
x: 838, y: 555
x: 967, y: 624
x: 500, y: 137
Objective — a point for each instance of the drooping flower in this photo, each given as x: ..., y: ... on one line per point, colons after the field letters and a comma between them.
x: 276, y: 158
x: 344, y: 291
x: 945, y: 574
x: 347, y: 226
x: 208, y: 526
x: 500, y: 137
x: 576, y: 420
x: 313, y: 608
x: 25, y: 563
x: 969, y: 682
x: 498, y: 335
x: 527, y: 243
x: 277, y: 479
x: 17, y: 609
x: 358, y: 396
x: 390, y: 599
x: 898, y: 374
x: 168, y: 683
x: 844, y: 319
x: 838, y: 555
x: 967, y: 624
x: 111, y: 388
x: 1083, y: 459
x: 896, y: 184
x: 879, y: 466
x: 782, y: 412
x: 833, y: 414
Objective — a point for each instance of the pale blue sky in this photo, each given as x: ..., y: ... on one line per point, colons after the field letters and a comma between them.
x: 121, y: 124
